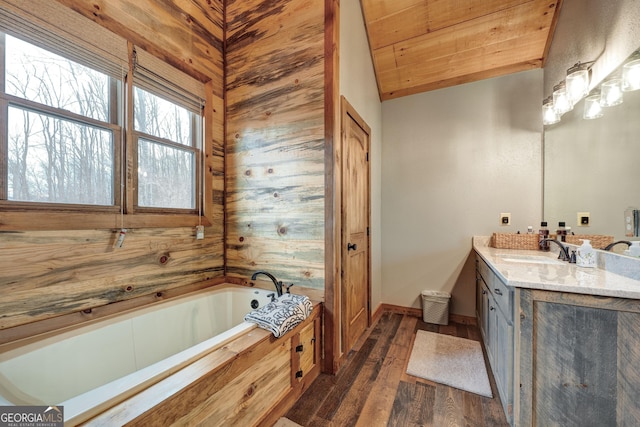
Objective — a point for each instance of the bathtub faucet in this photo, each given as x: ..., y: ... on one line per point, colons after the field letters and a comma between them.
x: 275, y: 281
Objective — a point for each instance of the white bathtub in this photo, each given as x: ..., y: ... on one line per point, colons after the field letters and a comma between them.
x: 90, y: 368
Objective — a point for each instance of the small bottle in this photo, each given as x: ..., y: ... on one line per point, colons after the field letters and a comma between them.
x: 529, y: 229
x: 543, y: 233
x: 562, y: 231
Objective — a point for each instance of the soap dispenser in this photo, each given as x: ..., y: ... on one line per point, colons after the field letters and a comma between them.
x: 585, y: 255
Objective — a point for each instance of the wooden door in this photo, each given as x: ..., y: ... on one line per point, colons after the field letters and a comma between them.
x: 355, y: 226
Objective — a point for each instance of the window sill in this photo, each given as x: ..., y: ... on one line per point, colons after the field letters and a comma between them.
x: 20, y: 220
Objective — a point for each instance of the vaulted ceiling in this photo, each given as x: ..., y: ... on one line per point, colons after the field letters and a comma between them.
x: 421, y: 45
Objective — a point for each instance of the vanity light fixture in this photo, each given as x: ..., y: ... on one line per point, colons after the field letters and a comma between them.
x: 561, y: 101
x: 577, y: 82
x: 549, y: 114
x: 592, y: 107
x: 631, y: 74
x: 611, y: 92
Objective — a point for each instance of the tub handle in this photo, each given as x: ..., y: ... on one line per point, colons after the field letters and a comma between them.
x: 272, y: 296
x: 287, y: 288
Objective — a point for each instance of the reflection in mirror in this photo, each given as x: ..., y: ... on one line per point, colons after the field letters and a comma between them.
x: 593, y: 166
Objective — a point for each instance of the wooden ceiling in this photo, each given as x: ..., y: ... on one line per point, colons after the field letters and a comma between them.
x: 421, y: 45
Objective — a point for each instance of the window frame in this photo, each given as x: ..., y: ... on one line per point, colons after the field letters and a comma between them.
x: 125, y: 212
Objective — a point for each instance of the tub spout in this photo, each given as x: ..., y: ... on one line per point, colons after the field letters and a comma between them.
x: 276, y: 282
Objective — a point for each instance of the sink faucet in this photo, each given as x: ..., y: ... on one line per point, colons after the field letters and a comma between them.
x: 610, y: 246
x: 564, y: 251
x: 275, y: 281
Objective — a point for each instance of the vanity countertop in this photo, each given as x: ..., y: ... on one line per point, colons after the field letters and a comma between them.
x: 541, y: 270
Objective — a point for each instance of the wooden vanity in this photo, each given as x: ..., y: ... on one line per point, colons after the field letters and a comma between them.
x: 563, y: 341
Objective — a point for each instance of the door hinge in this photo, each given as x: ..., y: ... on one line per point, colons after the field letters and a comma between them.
x: 367, y: 231
x: 367, y: 157
x: 299, y: 348
x: 299, y: 374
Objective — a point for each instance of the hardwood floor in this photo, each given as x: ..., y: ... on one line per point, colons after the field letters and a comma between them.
x: 372, y: 388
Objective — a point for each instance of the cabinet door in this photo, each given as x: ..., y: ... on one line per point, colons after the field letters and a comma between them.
x: 491, y: 330
x: 503, y: 363
x: 479, y: 299
x: 308, y: 354
x: 485, y: 310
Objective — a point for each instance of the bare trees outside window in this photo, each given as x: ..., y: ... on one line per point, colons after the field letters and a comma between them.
x: 60, y: 148
x: 64, y: 136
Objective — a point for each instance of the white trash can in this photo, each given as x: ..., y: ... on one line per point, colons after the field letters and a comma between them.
x: 435, y: 307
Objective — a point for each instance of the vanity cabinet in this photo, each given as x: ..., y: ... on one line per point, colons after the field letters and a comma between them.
x: 495, y: 308
x: 579, y: 360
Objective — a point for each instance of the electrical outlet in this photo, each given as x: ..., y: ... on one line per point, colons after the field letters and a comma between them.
x: 584, y: 219
x: 505, y: 219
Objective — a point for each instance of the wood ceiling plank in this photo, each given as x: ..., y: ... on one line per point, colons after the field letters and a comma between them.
x: 467, y: 78
x: 530, y: 20
x: 429, y: 16
x: 472, y: 62
x: 445, y: 13
x: 420, y: 45
x: 377, y: 9
x: 405, y: 24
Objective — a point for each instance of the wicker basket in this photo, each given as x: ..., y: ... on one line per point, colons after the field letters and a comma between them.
x: 515, y: 241
x: 598, y: 241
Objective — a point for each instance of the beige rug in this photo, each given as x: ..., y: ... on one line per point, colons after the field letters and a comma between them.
x: 453, y: 361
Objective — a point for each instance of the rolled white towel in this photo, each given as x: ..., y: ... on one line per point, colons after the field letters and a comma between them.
x: 281, y: 315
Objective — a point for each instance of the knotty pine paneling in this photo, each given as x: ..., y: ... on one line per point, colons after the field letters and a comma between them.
x: 46, y: 275
x: 275, y: 140
x: 187, y: 34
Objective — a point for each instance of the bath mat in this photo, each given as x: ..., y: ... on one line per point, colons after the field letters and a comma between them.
x: 286, y: 422
x: 453, y: 361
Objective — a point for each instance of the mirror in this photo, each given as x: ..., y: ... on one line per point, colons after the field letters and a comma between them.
x: 592, y: 166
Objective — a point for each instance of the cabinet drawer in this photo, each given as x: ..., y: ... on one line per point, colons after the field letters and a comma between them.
x: 503, y: 296
x: 485, y: 272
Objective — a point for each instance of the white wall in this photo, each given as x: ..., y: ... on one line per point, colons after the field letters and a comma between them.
x: 358, y: 85
x: 452, y: 161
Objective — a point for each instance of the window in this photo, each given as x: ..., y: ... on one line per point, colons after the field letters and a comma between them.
x: 66, y: 141
x: 166, y: 137
x: 60, y: 138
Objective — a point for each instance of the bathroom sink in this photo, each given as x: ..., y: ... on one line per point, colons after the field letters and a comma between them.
x: 530, y: 259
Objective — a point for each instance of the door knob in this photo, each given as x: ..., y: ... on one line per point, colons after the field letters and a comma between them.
x: 352, y: 246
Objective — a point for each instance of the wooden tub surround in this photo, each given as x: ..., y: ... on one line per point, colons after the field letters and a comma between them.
x: 188, y: 361
x: 563, y: 341
x: 216, y: 390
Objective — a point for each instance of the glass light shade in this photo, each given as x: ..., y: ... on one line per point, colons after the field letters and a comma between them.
x: 561, y: 101
x: 631, y: 76
x: 577, y: 85
x: 592, y: 107
x: 611, y: 93
x: 549, y: 115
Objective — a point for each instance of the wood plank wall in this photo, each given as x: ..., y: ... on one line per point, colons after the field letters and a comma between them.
x: 275, y: 140
x: 53, y: 274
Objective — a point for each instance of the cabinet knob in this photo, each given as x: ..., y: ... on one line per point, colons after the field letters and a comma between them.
x: 491, y: 308
x: 352, y: 246
x: 484, y: 292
